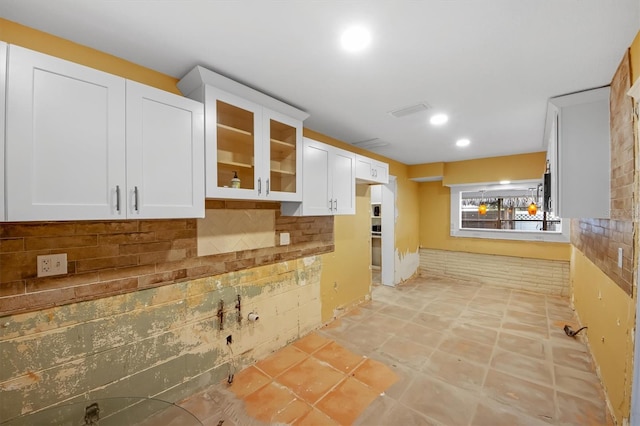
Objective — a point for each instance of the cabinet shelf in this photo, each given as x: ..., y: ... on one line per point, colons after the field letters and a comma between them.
x: 233, y: 129
x: 235, y: 163
x: 289, y: 145
x: 284, y: 172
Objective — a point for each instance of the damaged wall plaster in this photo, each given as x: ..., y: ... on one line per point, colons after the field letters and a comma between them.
x: 163, y: 342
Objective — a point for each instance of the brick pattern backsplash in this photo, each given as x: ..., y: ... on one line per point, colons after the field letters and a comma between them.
x: 622, y: 143
x: 599, y: 240
x: 106, y: 258
x: 535, y: 275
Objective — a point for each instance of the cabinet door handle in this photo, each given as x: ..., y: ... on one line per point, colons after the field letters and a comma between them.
x: 267, y: 187
x: 330, y: 205
x: 118, y: 198
x: 335, y: 207
x: 135, y: 199
x: 259, y: 186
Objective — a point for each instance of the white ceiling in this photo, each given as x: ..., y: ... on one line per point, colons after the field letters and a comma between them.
x: 490, y: 64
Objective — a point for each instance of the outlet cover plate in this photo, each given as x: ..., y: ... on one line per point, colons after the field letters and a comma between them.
x: 52, y: 264
x: 285, y: 239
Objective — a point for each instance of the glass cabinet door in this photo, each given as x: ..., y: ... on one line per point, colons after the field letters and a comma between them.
x: 282, y: 176
x: 236, y: 154
x: 285, y: 156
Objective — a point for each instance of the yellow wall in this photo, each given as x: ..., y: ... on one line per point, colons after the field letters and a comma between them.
x: 30, y: 38
x: 346, y: 276
x: 435, y: 207
x: 495, y: 169
x: 610, y: 315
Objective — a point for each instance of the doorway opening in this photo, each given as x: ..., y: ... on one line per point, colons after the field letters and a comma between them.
x: 383, y: 233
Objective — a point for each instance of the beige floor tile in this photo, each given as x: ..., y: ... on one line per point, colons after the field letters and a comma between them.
x: 495, y: 415
x: 527, y: 397
x: 467, y: 349
x: 405, y: 351
x: 442, y: 402
x: 405, y: 416
x: 533, y: 348
x: 475, y: 333
x: 573, y: 357
x: 522, y: 366
x: 577, y: 382
x: 403, y: 313
x: 573, y: 410
x: 419, y: 334
x: 435, y: 322
x: 455, y: 371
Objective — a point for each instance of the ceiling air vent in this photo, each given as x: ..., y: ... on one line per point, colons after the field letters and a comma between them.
x: 411, y: 109
x: 371, y: 143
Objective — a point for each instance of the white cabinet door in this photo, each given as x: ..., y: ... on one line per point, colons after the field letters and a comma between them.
x: 3, y: 81
x: 65, y: 140
x: 260, y: 146
x: 165, y: 154
x: 283, y: 156
x: 381, y: 172
x: 329, y: 185
x: 582, y: 155
x: 317, y: 195
x: 369, y: 170
x: 233, y: 146
x: 344, y: 182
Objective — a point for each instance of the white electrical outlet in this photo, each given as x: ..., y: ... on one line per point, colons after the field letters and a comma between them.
x: 619, y: 257
x: 52, y: 264
x: 285, y: 239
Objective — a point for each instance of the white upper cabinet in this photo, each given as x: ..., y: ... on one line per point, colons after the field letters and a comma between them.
x: 369, y: 170
x: 165, y: 154
x: 3, y: 81
x: 65, y: 151
x: 253, y: 142
x: 579, y: 154
x: 328, y: 182
x: 73, y: 135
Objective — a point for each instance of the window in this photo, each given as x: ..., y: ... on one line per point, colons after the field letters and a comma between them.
x: 507, y: 215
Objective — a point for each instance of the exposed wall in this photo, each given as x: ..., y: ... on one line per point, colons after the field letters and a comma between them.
x: 603, y: 293
x: 113, y: 257
x: 537, y: 275
x: 163, y: 342
x: 609, y: 314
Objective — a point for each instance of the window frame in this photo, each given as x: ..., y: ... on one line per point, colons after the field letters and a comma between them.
x: 499, y: 234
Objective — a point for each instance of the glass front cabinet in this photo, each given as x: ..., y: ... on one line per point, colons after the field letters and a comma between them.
x: 252, y: 152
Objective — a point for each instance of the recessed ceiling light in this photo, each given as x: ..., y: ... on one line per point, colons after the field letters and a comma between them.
x: 355, y: 39
x: 439, y: 119
x: 463, y: 142
x: 505, y: 182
